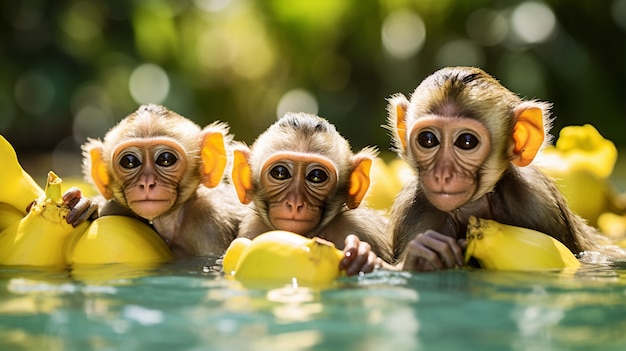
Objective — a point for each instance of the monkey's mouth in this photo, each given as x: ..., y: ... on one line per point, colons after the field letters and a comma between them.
x: 300, y: 226
x: 149, y: 208
x: 448, y: 201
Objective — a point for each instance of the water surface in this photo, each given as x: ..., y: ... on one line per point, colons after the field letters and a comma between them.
x: 190, y: 306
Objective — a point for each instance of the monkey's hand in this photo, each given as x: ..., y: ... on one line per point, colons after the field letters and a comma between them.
x: 432, y: 251
x: 358, y: 256
x: 81, y: 208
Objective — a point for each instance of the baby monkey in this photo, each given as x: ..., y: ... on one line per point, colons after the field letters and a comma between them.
x: 471, y: 142
x: 301, y: 176
x: 164, y: 169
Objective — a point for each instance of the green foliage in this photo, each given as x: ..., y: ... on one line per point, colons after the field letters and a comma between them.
x: 68, y: 66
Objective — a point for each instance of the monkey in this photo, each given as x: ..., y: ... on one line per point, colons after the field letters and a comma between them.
x: 471, y: 142
x: 300, y: 175
x: 162, y: 168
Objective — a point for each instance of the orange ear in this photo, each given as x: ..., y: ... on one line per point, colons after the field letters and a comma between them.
x: 213, y: 155
x: 242, y: 176
x: 401, y: 124
x: 528, y: 134
x: 359, y: 182
x: 99, y: 172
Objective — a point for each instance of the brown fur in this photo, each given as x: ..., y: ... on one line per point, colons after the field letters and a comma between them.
x: 311, y: 134
x: 202, y: 220
x: 521, y: 196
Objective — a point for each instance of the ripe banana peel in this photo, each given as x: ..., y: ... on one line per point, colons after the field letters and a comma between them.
x: 117, y: 239
x: 9, y: 215
x: 18, y: 187
x: 279, y: 258
x: 499, y: 246
x: 39, y: 238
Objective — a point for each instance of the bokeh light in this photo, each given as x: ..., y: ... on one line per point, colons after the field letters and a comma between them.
x: 74, y: 68
x: 533, y: 22
x: 149, y: 84
x: 403, y: 34
x: 297, y: 100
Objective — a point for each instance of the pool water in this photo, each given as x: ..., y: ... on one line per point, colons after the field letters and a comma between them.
x: 190, y: 305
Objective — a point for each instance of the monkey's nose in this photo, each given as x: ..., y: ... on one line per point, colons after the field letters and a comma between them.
x: 295, y: 207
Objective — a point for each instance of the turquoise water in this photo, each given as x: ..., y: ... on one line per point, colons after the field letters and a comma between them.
x: 191, y: 306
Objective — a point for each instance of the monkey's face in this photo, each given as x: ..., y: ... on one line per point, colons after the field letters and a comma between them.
x: 149, y: 174
x: 296, y: 187
x: 448, y: 152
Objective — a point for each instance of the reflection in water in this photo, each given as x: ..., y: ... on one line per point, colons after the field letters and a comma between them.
x: 184, y: 306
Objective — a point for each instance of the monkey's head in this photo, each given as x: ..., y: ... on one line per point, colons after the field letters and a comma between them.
x: 154, y: 159
x: 300, y: 173
x: 461, y: 130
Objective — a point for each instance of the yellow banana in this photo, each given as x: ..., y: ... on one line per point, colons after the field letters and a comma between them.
x: 284, y: 258
x: 39, y: 238
x: 18, y: 187
x: 9, y: 215
x: 499, y: 246
x: 117, y: 239
x: 236, y: 247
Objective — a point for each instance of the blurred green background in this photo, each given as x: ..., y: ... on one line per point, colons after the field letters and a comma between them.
x: 72, y: 69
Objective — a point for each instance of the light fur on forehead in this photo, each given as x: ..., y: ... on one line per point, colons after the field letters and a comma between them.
x: 301, y: 132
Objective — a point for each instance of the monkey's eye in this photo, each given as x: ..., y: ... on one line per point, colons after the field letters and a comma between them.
x: 317, y: 176
x: 166, y: 159
x: 280, y: 172
x: 130, y: 161
x: 466, y: 141
x: 427, y: 140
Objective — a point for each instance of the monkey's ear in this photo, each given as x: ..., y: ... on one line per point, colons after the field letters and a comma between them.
x: 397, y: 108
x: 528, y: 134
x: 359, y: 181
x: 242, y: 175
x: 99, y: 172
x: 214, y: 159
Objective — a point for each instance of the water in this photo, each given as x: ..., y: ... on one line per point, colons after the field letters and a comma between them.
x: 191, y: 306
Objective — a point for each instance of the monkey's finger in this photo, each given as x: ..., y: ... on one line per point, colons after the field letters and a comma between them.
x: 82, y: 211
x: 72, y: 196
x: 421, y: 259
x: 448, y: 248
x: 350, y: 251
x: 360, y: 263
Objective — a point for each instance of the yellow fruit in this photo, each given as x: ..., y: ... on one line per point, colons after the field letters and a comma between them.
x: 18, y: 187
x: 383, y: 188
x: 9, y: 215
x: 581, y: 162
x: 284, y: 258
x: 499, y: 246
x: 233, y: 253
x: 613, y: 226
x: 39, y: 238
x: 584, y: 148
x: 117, y: 239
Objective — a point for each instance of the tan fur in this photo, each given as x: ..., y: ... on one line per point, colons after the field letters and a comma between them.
x: 507, y: 193
x: 307, y: 133
x: 201, y: 220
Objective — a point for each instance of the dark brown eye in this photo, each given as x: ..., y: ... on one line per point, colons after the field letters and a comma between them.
x: 427, y: 140
x: 166, y: 159
x: 317, y: 176
x: 466, y: 141
x: 130, y: 161
x: 280, y: 173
